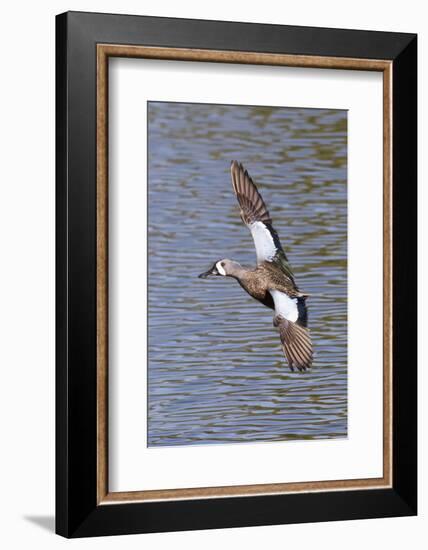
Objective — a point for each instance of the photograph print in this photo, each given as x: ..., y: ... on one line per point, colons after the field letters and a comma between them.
x: 247, y: 274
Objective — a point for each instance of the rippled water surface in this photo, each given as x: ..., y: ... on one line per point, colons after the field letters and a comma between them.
x: 216, y: 370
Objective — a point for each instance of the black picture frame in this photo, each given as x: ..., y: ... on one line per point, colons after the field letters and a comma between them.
x: 77, y: 511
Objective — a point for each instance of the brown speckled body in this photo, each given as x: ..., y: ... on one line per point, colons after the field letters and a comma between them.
x: 266, y: 276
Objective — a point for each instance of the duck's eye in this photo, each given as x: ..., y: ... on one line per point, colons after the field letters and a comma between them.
x: 222, y: 264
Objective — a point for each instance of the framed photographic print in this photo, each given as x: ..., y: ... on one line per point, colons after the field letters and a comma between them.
x: 236, y: 246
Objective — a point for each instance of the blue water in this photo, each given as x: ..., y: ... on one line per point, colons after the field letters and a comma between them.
x: 216, y: 372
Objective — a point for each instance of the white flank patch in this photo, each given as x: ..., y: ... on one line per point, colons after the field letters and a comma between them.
x: 220, y: 269
x: 265, y: 247
x: 285, y: 306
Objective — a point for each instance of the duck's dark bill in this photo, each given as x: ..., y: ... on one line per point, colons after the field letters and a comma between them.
x: 211, y: 272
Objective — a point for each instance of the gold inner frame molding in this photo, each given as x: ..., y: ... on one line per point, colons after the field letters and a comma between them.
x: 104, y: 52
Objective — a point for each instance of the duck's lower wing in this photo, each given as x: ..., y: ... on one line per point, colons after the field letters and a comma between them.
x: 296, y: 343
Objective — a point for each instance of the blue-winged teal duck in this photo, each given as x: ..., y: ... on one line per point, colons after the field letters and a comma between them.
x: 271, y: 282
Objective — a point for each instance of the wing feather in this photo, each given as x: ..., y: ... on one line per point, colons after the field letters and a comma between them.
x: 255, y: 215
x: 253, y: 208
x: 295, y: 338
x: 296, y: 343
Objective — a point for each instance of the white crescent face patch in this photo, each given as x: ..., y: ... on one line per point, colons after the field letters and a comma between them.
x: 285, y: 306
x: 220, y: 269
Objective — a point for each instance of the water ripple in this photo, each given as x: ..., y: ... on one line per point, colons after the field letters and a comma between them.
x: 216, y: 371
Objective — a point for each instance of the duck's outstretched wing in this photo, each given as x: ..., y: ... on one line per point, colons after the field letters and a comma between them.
x: 256, y: 217
x: 296, y: 343
x: 253, y: 208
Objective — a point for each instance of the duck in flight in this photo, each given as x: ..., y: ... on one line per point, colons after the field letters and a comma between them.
x: 271, y: 282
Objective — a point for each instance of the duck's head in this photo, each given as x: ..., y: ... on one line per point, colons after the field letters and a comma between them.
x: 222, y: 268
